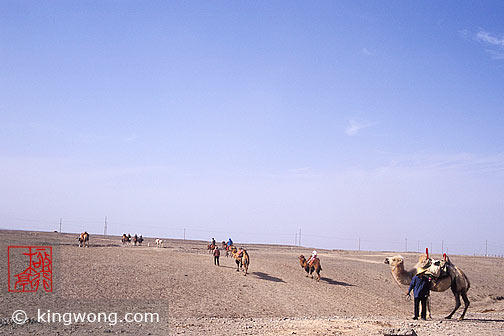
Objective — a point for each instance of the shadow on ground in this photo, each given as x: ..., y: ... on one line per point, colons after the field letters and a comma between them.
x: 268, y: 277
x: 334, y: 282
x: 481, y: 320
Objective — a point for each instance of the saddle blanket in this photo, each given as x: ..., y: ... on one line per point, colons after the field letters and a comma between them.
x: 435, y: 268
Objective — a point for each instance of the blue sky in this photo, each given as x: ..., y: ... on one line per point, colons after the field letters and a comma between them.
x: 347, y: 120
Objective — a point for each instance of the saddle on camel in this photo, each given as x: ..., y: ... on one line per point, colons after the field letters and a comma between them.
x: 436, y: 269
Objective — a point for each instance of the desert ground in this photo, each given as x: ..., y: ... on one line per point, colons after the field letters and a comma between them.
x: 355, y: 296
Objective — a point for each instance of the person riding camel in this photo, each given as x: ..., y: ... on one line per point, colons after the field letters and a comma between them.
x: 213, y: 242
x: 312, y: 258
x: 230, y: 242
x: 240, y: 252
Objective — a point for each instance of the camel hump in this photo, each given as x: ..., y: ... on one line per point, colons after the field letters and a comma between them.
x: 447, y: 259
x: 467, y: 280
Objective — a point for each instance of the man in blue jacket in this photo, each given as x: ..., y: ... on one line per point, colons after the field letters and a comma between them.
x: 421, y: 288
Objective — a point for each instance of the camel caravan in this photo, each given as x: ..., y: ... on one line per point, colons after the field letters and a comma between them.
x: 127, y: 239
x: 442, y: 273
x: 240, y: 255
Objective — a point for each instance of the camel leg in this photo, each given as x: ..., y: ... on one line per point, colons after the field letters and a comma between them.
x: 466, y: 305
x: 428, y: 306
x: 457, y: 303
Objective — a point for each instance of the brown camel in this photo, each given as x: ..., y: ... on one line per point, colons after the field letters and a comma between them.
x: 454, y: 279
x: 225, y: 248
x: 125, y: 240
x: 241, y: 257
x: 84, y: 239
x: 314, y: 266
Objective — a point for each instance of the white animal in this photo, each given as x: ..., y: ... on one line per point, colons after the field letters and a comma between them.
x: 159, y: 242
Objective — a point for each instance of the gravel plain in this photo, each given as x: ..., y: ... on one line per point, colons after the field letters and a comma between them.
x: 191, y: 296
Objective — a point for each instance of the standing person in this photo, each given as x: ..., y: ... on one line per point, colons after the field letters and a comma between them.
x: 421, y: 288
x: 216, y: 255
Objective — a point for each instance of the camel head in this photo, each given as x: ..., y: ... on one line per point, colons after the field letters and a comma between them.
x: 394, y: 261
x: 302, y: 260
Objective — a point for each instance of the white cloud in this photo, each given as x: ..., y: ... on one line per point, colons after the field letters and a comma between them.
x: 494, y: 42
x: 457, y: 162
x: 484, y: 36
x: 367, y: 52
x: 496, y: 55
x: 355, y: 127
x: 299, y: 170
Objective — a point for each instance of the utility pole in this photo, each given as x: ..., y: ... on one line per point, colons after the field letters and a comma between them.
x: 299, y: 237
x: 406, y: 244
x: 359, y: 243
x: 295, y: 239
x: 486, y: 248
x: 442, y: 246
x: 105, y: 227
x: 184, y: 233
x: 61, y: 220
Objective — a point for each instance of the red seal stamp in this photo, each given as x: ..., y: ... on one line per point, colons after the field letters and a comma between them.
x: 30, y: 268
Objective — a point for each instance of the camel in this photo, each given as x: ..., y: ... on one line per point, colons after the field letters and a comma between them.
x: 125, y: 240
x: 455, y: 279
x: 315, y: 266
x: 84, y: 239
x: 242, y: 258
x: 210, y: 248
x: 225, y: 247
x: 159, y: 243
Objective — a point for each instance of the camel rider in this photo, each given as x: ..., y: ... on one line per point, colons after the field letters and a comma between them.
x: 213, y: 242
x: 230, y: 242
x: 312, y: 257
x: 240, y: 252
